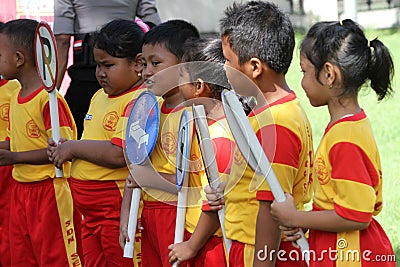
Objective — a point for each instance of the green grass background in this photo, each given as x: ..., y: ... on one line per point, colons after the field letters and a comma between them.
x: 385, y: 119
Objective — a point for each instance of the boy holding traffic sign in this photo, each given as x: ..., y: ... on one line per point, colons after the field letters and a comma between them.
x: 41, y: 210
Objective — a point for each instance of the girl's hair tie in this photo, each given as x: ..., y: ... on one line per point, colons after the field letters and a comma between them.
x: 142, y: 25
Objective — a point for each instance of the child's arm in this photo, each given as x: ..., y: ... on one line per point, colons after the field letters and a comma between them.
x: 206, y: 227
x: 5, y: 145
x: 99, y: 152
x: 267, y: 234
x: 146, y: 176
x: 34, y: 157
x: 124, y: 217
x: 326, y: 220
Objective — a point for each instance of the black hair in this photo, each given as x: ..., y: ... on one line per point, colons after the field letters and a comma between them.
x: 259, y: 29
x: 345, y: 45
x: 172, y: 34
x: 1, y: 26
x: 120, y: 38
x: 21, y: 33
x: 209, y: 63
x: 209, y: 60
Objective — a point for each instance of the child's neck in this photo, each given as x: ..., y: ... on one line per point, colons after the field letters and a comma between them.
x: 343, y: 107
x: 273, y: 87
x: 213, y: 109
x: 30, y: 82
x: 173, y: 99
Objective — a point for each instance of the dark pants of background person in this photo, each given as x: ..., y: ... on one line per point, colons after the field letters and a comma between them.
x: 80, y: 91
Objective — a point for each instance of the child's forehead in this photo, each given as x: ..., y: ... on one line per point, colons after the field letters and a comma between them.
x: 157, y: 49
x: 5, y: 40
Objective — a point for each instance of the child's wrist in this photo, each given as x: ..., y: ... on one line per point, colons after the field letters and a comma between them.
x: 295, y: 218
x: 192, y: 247
x: 123, y: 227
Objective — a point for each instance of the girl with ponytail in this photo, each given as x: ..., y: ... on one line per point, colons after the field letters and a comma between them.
x: 337, y: 60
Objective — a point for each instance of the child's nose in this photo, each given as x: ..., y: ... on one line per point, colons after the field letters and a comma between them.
x: 147, y: 72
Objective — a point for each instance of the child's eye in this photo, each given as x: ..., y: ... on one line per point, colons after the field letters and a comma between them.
x: 144, y: 64
x: 155, y: 63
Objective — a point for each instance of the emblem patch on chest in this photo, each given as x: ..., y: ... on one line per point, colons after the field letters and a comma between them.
x: 110, y: 121
x: 32, y: 129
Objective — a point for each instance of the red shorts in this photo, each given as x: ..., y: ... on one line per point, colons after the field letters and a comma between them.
x: 158, y: 221
x: 41, y: 224
x: 242, y: 255
x: 293, y: 256
x: 100, y: 204
x: 5, y: 192
x: 212, y: 254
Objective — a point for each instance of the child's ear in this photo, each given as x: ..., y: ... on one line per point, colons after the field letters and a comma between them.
x: 200, y: 88
x: 20, y: 58
x: 255, y: 66
x: 138, y: 64
x: 331, y: 73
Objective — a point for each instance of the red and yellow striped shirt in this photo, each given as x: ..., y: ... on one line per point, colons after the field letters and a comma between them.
x: 284, y: 132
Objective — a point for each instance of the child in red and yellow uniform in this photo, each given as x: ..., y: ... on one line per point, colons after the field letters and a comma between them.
x: 281, y: 126
x: 202, y: 84
x: 7, y: 89
x: 99, y: 170
x: 41, y: 207
x: 162, y: 49
x: 336, y: 60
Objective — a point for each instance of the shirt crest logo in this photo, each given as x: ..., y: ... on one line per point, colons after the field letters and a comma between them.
x: 322, y: 173
x: 4, y: 112
x: 32, y: 129
x: 196, y: 164
x: 238, y: 157
x: 168, y: 143
x: 110, y: 121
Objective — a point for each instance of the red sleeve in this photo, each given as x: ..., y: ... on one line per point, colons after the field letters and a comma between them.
x: 128, y: 108
x: 280, y: 145
x: 349, y: 162
x: 116, y: 141
x: 352, y: 170
x: 63, y: 114
x: 353, y: 215
x: 264, y: 195
x: 224, y: 149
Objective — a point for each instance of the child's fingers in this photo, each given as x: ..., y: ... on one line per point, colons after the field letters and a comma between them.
x: 51, y: 142
x: 62, y: 140
x: 288, y: 230
x: 123, y: 238
x: 171, y: 256
x: 291, y: 234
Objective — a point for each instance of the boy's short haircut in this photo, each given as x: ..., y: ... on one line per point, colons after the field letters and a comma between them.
x: 173, y: 35
x: 259, y: 29
x: 21, y: 33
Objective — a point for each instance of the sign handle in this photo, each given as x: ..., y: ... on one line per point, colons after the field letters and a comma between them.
x: 132, y: 223
x: 55, y: 124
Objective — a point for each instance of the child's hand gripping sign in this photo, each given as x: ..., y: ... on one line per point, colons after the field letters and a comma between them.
x: 141, y: 136
x: 182, y: 160
x: 209, y: 161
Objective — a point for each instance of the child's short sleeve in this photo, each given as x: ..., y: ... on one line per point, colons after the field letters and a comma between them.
x: 353, y: 180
